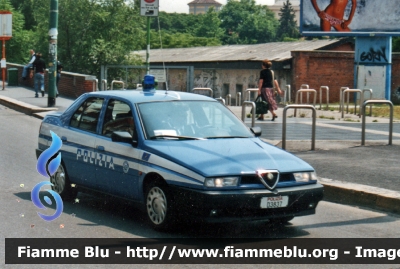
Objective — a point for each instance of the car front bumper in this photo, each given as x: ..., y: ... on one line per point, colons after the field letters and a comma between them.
x: 222, y: 206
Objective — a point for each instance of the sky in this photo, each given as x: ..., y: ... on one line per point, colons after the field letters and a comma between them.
x: 180, y: 6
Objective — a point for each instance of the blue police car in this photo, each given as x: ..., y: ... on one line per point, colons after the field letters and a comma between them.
x: 180, y: 155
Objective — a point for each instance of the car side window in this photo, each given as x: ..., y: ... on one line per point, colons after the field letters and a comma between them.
x: 87, y: 115
x: 118, y: 117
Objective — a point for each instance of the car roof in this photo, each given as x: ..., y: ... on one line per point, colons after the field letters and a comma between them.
x: 137, y: 96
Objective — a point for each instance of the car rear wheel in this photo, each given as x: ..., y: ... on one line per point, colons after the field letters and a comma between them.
x: 62, y: 185
x: 158, y: 206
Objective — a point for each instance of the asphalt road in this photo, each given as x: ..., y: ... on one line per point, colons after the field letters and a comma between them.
x: 103, y: 217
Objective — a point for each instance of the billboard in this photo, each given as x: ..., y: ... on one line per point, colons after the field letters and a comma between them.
x: 350, y: 17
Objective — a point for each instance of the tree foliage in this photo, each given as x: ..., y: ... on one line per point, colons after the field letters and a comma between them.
x: 396, y: 44
x: 287, y: 29
x: 244, y: 22
x: 17, y: 48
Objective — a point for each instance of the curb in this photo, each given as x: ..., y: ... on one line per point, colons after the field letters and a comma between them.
x: 23, y: 107
x: 361, y: 195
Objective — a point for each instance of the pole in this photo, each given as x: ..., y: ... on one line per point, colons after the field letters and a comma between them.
x: 4, y: 57
x: 148, y: 47
x: 53, y: 33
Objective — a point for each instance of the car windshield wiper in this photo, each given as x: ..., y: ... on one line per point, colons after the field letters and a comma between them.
x: 223, y: 137
x: 177, y: 137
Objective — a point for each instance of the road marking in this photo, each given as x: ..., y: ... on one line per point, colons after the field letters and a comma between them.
x: 351, y: 128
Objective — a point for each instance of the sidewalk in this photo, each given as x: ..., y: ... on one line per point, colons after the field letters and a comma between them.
x: 352, y: 174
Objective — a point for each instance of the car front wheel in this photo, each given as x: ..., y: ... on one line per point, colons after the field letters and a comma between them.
x: 62, y: 185
x: 158, y: 206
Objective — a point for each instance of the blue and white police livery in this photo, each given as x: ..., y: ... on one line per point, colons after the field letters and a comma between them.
x: 179, y: 155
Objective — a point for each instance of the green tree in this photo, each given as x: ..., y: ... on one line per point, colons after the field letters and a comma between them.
x: 181, y: 40
x: 396, y: 44
x: 244, y: 22
x: 92, y: 33
x: 17, y: 48
x: 209, y: 25
x: 25, y: 7
x: 287, y: 25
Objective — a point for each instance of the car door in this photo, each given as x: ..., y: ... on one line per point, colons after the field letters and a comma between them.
x: 118, y: 175
x: 78, y: 141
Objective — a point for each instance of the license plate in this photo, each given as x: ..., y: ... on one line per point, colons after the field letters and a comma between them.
x: 274, y: 202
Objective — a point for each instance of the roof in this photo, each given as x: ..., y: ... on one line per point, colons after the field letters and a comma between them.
x: 137, y: 96
x: 213, y: 2
x: 274, y: 51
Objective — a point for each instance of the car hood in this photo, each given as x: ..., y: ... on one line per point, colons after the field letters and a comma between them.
x: 233, y: 156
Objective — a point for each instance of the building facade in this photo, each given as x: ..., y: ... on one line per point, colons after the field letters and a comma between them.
x: 202, y: 6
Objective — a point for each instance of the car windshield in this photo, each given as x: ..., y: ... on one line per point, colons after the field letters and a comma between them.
x: 190, y: 120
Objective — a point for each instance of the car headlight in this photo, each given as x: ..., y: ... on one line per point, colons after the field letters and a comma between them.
x: 220, y: 182
x: 305, y: 176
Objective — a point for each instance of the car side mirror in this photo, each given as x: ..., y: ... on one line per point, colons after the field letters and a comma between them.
x: 124, y: 137
x: 256, y: 130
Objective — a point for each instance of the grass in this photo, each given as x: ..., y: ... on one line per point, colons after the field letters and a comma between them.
x: 325, y: 117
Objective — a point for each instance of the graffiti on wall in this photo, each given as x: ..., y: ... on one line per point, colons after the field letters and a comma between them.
x: 372, y: 55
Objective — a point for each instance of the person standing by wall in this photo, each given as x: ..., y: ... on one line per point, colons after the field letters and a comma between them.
x: 28, y: 65
x: 59, y: 69
x: 266, y: 88
x: 39, y: 66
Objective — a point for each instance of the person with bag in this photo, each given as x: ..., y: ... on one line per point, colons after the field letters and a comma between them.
x: 266, y: 88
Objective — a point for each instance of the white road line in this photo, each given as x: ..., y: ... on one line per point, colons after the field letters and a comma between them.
x: 352, y: 128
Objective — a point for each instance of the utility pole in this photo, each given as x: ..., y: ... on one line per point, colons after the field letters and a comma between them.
x: 148, y: 8
x: 53, y: 33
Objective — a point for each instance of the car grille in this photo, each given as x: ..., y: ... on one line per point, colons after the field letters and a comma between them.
x: 253, y: 179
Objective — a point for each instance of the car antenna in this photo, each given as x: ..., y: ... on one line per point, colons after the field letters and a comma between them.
x: 162, y: 58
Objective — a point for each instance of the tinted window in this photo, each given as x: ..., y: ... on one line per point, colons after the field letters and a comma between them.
x: 118, y: 117
x: 86, y: 116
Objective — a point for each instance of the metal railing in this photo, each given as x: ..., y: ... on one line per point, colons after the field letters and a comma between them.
x: 253, y: 112
x: 341, y: 97
x: 221, y: 100
x: 104, y: 84
x: 314, y: 120
x: 287, y: 95
x: 390, y: 119
x: 348, y: 91
x: 228, y: 99
x: 306, y: 86
x: 327, y: 96
x: 95, y: 85
x: 117, y: 82
x: 238, y: 99
x: 301, y: 97
x: 370, y: 97
x: 203, y: 89
x: 248, y: 92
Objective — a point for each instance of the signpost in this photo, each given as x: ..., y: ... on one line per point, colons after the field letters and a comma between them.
x: 5, y: 34
x: 148, y: 8
x: 53, y: 34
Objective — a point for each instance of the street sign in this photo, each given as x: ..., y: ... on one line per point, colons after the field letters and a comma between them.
x: 149, y: 8
x: 159, y: 74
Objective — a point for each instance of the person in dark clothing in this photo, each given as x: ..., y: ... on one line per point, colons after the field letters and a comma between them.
x: 266, y: 88
x: 59, y: 69
x: 39, y: 66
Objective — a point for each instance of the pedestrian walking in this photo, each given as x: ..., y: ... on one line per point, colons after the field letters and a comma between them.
x: 28, y: 65
x: 266, y: 88
x: 39, y: 66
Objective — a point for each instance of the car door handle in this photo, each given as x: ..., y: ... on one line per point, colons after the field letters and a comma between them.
x: 64, y: 139
x: 100, y: 148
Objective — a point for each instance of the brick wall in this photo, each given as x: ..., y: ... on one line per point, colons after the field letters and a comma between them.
x: 71, y: 84
x: 334, y: 69
x: 323, y: 68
